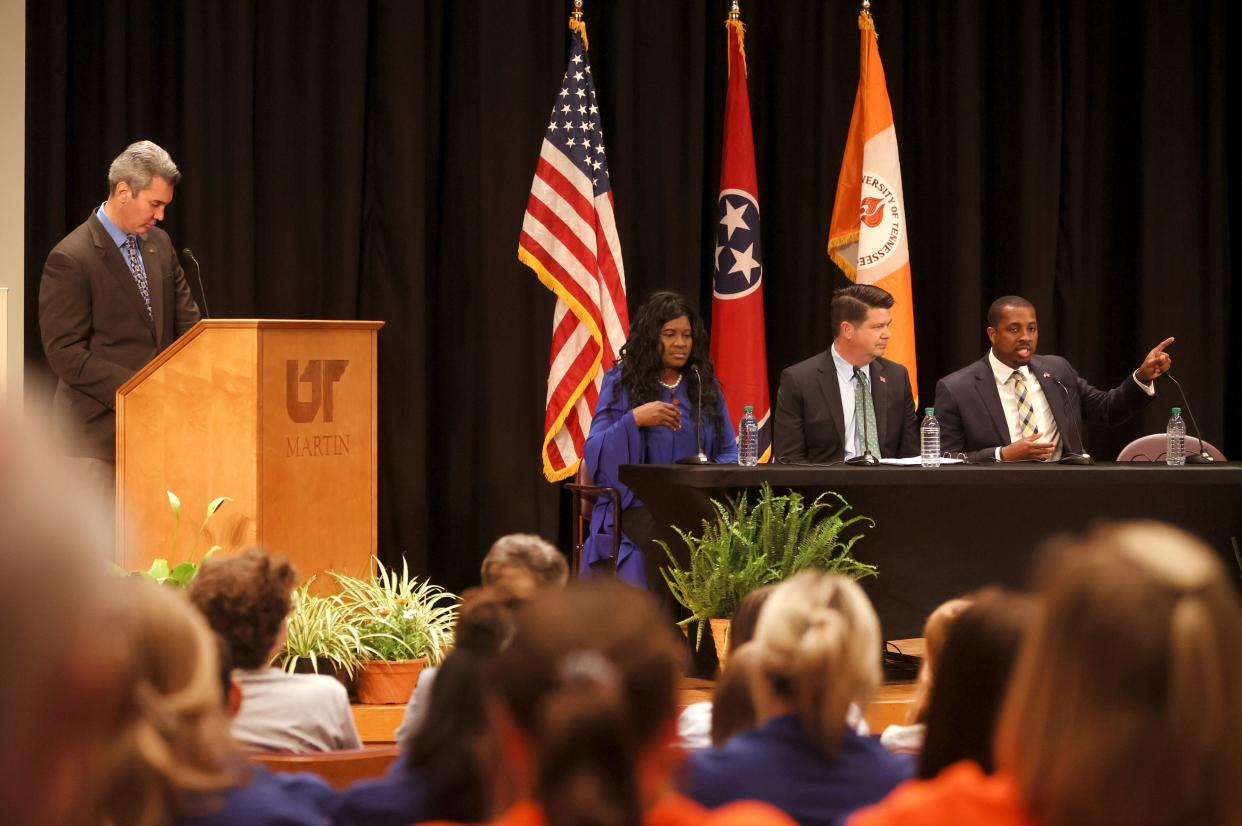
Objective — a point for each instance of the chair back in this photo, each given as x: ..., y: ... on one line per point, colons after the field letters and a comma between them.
x: 338, y: 768
x: 1152, y: 448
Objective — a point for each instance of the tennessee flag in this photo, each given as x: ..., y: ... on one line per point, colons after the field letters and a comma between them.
x: 738, y: 347
x: 867, y: 236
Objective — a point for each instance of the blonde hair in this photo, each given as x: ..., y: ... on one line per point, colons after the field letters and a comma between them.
x: 819, y: 640
x: 1124, y: 705
x: 935, y: 632
x: 170, y: 748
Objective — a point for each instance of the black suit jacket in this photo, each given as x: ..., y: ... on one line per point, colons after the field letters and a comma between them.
x: 810, y: 424
x: 972, y: 420
x: 96, y: 331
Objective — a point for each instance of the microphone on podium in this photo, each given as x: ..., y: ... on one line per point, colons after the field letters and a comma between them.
x: 198, y: 275
x: 1201, y: 456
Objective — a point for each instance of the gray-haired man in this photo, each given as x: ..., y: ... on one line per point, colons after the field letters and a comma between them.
x: 112, y: 297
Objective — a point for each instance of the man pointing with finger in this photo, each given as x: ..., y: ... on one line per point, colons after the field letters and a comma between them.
x: 1013, y: 405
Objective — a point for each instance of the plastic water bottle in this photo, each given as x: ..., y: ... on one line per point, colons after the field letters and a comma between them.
x: 748, y: 438
x: 931, y: 439
x: 1175, y: 439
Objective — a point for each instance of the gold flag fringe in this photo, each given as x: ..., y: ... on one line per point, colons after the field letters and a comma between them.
x: 579, y: 26
x: 731, y: 23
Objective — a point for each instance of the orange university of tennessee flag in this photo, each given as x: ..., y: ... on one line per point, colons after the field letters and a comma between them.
x: 867, y: 237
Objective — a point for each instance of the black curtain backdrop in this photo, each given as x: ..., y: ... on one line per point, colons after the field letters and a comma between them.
x: 372, y: 160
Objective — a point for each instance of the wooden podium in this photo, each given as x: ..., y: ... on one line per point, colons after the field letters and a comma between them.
x: 277, y: 415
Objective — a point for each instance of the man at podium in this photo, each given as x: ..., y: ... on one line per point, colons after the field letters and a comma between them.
x: 112, y: 296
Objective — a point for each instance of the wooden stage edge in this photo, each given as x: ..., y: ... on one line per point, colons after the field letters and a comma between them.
x: 891, y: 705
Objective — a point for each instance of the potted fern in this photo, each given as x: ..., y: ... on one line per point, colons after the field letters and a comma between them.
x: 747, y: 547
x: 403, y: 624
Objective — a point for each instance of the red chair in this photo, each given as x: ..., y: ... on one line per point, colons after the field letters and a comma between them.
x: 585, y: 494
x: 1152, y: 449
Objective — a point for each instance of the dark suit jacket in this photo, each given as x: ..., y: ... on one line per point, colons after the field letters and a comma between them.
x: 972, y: 420
x: 95, y: 328
x: 810, y: 424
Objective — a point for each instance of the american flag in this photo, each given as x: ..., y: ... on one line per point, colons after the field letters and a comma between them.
x: 569, y: 238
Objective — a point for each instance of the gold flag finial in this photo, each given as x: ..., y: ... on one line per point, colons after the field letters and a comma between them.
x: 864, y: 17
x: 735, y: 10
x: 577, y: 24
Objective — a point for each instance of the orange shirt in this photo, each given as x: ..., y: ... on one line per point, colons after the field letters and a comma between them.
x: 673, y: 810
x: 961, y: 796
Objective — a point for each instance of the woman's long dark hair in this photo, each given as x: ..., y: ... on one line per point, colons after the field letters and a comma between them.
x: 447, y: 751
x: 642, y: 358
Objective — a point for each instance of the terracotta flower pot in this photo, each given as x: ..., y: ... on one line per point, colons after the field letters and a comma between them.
x: 384, y: 682
x: 720, y: 636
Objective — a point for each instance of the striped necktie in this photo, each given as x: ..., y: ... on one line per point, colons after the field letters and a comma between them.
x: 864, y: 416
x: 1026, y: 414
x: 140, y: 274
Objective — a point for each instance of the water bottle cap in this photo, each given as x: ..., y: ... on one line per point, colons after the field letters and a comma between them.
x: 1177, y: 411
x: 748, y: 409
x: 931, y: 411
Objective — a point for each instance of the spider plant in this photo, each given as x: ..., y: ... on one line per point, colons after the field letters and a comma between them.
x: 321, y: 628
x: 398, y: 616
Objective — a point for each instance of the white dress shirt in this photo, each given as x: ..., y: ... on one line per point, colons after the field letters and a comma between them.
x: 845, y: 381
x: 1042, y: 416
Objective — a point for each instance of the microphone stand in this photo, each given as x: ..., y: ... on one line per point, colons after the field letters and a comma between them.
x: 699, y: 458
x: 1201, y: 457
x: 198, y: 274
x: 1083, y: 458
x: 867, y: 459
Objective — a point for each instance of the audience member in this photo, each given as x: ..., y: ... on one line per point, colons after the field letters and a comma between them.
x: 696, y: 727
x: 819, y: 643
x: 170, y: 758
x: 908, y: 739
x: 444, y: 772
x: 57, y: 694
x: 246, y: 600
x: 584, y: 709
x: 732, y: 707
x: 522, y: 563
x: 971, y: 677
x: 1123, y: 707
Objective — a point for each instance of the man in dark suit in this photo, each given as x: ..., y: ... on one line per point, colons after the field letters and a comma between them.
x: 848, y: 401
x: 1012, y: 405
x: 113, y: 295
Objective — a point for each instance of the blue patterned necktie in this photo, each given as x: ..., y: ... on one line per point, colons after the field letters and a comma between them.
x: 864, y: 416
x: 140, y: 274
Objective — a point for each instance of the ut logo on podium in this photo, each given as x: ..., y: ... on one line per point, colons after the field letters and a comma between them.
x: 321, y: 375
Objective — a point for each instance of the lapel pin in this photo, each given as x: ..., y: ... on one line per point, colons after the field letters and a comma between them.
x: 883, y: 380
x: 1047, y: 375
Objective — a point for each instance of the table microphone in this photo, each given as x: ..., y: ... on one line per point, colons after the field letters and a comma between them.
x: 699, y: 458
x: 1201, y: 457
x: 1083, y: 458
x: 198, y: 274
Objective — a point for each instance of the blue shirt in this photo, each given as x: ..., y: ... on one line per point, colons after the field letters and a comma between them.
x: 269, y: 800
x: 397, y: 799
x: 119, y: 237
x: 778, y: 763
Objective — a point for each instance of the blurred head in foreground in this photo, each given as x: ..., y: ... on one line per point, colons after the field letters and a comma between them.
x: 57, y: 691
x: 585, y: 702
x: 1124, y: 706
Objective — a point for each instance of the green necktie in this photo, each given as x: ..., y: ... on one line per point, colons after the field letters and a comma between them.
x: 864, y: 416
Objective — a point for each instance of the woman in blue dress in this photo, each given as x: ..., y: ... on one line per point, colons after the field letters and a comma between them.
x: 646, y: 414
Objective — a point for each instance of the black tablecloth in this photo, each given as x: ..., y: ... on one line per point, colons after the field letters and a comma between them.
x: 942, y: 532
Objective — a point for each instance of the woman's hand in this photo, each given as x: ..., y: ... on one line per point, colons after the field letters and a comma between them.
x: 653, y: 414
